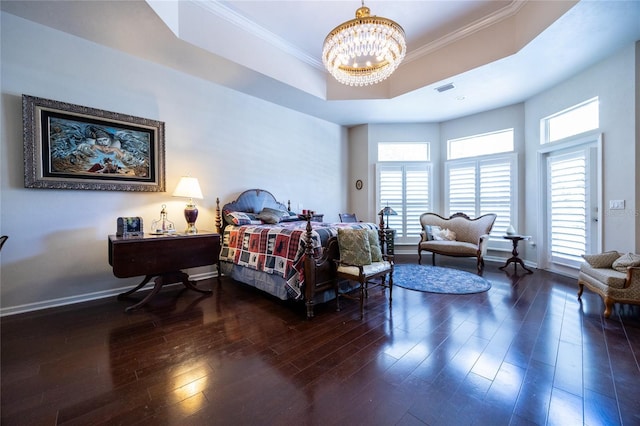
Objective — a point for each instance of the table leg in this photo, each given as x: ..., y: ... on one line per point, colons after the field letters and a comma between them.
x: 515, y: 259
x: 161, y: 280
x: 138, y: 287
x: 158, y: 282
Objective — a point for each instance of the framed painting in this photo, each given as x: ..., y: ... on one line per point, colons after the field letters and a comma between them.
x: 70, y: 146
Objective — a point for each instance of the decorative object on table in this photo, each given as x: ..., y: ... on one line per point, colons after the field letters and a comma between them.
x: 163, y: 225
x: 188, y: 187
x: 364, y: 50
x: 436, y: 279
x: 70, y: 146
x: 510, y: 230
x: 130, y: 227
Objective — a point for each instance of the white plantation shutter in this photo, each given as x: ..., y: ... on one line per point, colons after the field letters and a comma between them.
x: 462, y: 188
x: 567, y: 188
x: 477, y: 187
x: 496, y: 192
x: 405, y: 188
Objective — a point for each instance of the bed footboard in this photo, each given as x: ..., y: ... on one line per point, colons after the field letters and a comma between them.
x: 319, y: 273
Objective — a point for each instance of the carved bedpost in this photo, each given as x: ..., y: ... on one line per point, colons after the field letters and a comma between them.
x: 218, y: 217
x: 309, y: 268
x: 381, y: 234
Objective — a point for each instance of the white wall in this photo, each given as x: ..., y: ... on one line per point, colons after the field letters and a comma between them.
x: 57, y: 251
x: 614, y: 82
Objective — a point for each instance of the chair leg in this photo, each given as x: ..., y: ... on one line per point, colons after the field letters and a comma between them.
x: 433, y: 259
x: 362, y: 292
x: 580, y: 289
x: 419, y: 257
x: 608, y: 305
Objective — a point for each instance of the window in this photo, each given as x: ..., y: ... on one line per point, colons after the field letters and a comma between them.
x: 477, y: 145
x: 403, y: 151
x: 481, y: 186
x: 573, y: 121
x: 404, y: 184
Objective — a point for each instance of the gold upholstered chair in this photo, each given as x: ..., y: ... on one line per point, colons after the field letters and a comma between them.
x: 612, y: 275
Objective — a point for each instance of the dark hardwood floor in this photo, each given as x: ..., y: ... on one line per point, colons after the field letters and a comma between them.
x: 525, y: 352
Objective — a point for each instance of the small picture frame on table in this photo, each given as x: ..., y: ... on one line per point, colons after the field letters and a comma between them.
x: 130, y: 227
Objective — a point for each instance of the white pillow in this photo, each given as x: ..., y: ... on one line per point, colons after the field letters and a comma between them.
x: 444, y: 235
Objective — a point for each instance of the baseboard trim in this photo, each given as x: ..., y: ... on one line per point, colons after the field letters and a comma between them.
x: 87, y: 297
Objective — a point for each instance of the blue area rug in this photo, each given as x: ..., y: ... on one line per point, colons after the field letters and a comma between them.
x: 434, y: 279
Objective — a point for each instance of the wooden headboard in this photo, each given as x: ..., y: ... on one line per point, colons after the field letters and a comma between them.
x: 250, y: 201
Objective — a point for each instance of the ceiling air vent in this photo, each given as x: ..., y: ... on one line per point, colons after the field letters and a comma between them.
x: 446, y: 87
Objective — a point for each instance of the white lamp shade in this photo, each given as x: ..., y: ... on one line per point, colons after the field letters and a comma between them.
x: 188, y: 187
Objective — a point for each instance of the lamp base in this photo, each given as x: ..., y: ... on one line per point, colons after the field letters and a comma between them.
x: 191, y: 215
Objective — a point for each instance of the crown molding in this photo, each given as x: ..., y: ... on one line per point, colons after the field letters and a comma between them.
x: 262, y: 33
x: 478, y: 25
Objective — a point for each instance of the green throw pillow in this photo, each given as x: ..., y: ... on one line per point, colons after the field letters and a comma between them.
x: 601, y: 260
x: 374, y: 245
x: 354, y: 246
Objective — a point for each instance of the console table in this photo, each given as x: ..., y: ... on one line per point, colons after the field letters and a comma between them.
x: 163, y: 257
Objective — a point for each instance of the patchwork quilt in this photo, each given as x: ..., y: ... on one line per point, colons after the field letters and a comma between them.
x: 279, y: 249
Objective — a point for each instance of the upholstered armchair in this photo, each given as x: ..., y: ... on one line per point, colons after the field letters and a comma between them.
x: 612, y: 275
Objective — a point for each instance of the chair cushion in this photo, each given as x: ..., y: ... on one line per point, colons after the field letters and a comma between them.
x: 455, y: 248
x: 370, y: 269
x: 354, y: 246
x: 626, y: 260
x: 374, y: 245
x: 607, y: 276
x: 601, y: 260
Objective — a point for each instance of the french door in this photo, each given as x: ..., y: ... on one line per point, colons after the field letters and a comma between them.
x: 572, y: 205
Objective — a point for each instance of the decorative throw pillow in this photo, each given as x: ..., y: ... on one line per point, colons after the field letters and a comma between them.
x: 626, y: 260
x: 238, y: 218
x: 444, y: 235
x: 269, y: 216
x: 374, y: 245
x: 430, y: 230
x: 281, y: 213
x: 601, y: 260
x: 354, y: 246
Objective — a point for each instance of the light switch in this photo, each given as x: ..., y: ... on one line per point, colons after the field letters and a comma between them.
x: 616, y: 204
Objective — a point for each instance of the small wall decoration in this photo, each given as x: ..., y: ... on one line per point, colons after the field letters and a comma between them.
x: 358, y: 184
x: 70, y: 146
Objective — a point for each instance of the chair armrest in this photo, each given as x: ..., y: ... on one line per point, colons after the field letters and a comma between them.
x: 633, y: 277
x: 483, y: 243
x: 423, y: 236
x: 388, y: 257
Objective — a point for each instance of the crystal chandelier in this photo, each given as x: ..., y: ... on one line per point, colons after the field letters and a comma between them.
x: 365, y: 50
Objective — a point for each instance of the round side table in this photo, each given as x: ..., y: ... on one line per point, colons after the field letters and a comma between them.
x: 515, y: 239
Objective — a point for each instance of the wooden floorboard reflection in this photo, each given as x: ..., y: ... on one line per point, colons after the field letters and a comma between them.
x: 525, y: 352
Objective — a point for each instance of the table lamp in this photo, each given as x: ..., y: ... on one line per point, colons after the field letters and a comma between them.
x: 388, y: 211
x: 188, y: 187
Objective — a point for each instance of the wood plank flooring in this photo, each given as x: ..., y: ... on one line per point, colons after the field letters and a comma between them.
x: 524, y: 353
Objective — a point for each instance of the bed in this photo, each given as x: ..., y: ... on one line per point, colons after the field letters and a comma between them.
x: 284, y: 254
